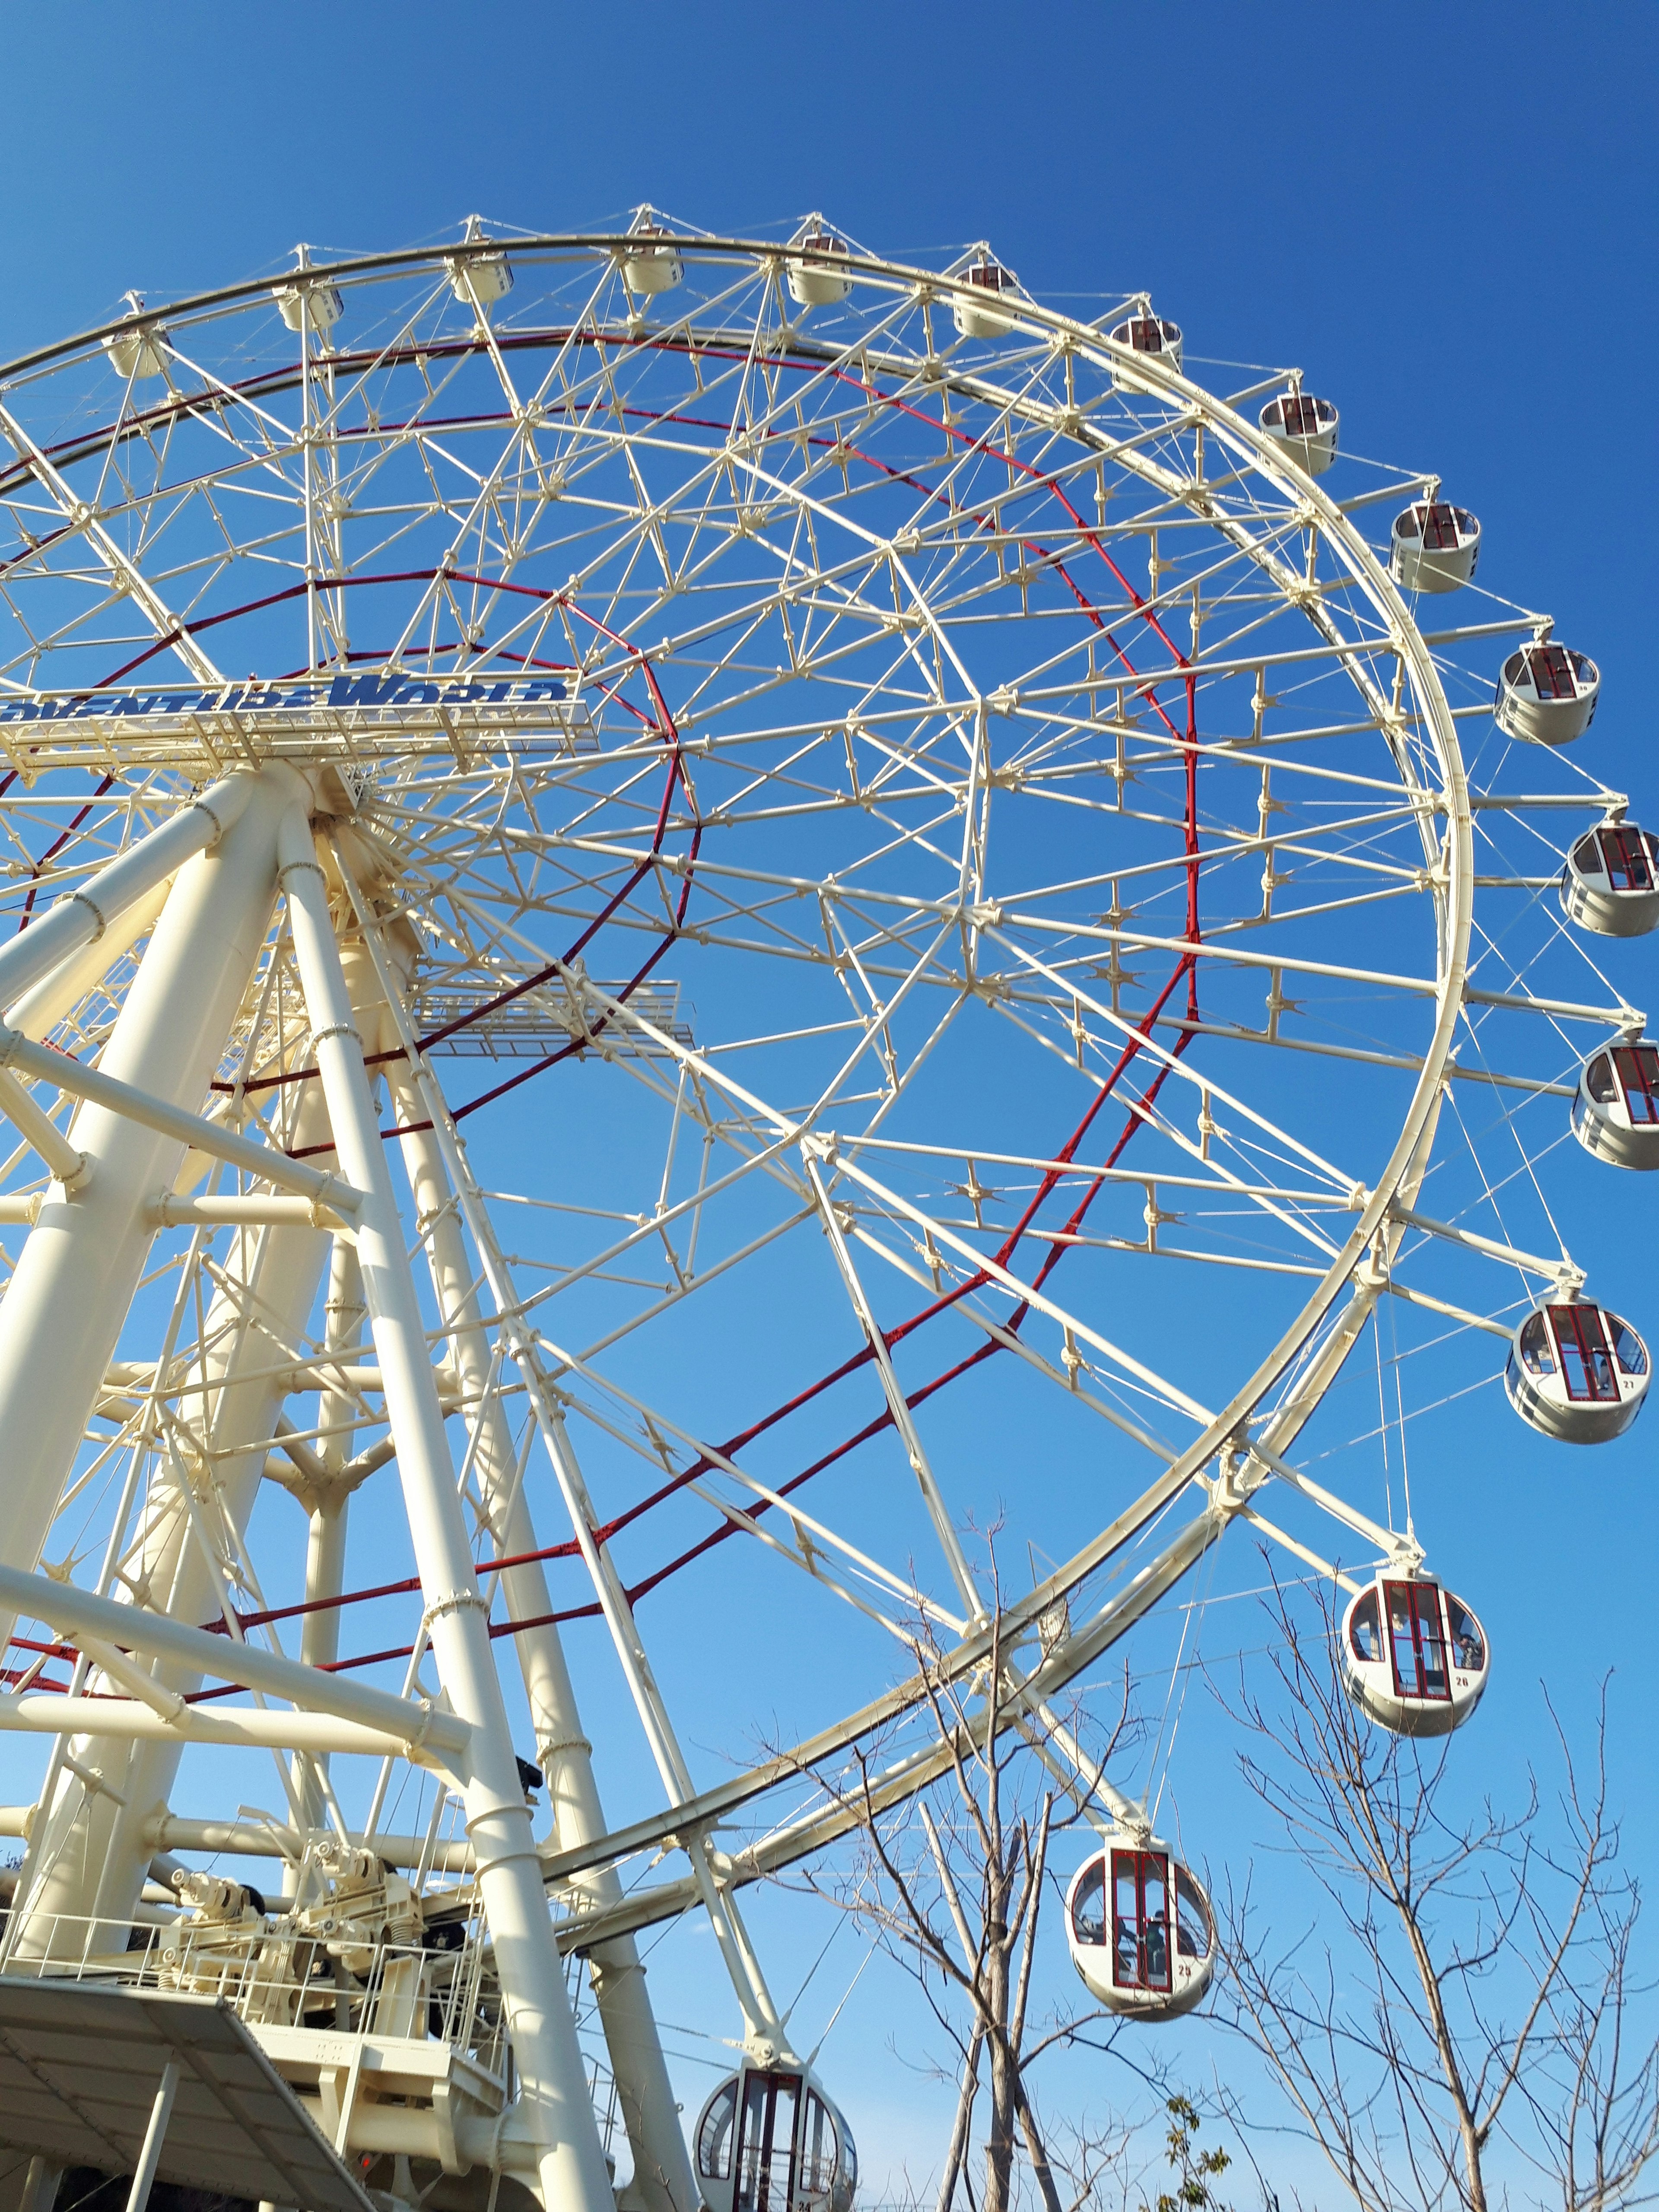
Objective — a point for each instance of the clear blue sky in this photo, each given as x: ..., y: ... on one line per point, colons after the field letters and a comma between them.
x: 1445, y: 214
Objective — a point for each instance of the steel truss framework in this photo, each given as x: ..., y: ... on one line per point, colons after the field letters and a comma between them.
x: 925, y: 828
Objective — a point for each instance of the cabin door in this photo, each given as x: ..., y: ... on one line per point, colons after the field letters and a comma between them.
x: 766, y: 2147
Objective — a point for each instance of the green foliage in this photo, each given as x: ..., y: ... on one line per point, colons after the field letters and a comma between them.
x: 1195, y: 2169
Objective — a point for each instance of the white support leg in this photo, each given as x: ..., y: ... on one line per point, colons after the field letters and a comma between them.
x: 662, y: 2169
x: 83, y: 917
x: 271, y: 1279
x: 155, y: 2136
x: 68, y: 1300
x: 328, y: 1504
x: 555, y: 2089
x: 768, y: 2038
x: 40, y: 2185
x: 62, y: 988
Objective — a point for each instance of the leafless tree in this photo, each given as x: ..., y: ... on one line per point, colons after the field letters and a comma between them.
x: 952, y: 1883
x: 1476, y: 2007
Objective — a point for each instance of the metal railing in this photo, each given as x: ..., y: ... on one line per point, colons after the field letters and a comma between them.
x: 530, y: 1027
x: 274, y: 1974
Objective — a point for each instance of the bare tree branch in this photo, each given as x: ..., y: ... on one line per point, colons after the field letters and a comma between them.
x: 1481, y: 1962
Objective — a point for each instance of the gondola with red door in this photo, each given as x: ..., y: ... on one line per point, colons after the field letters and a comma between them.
x: 1577, y: 1371
x: 1414, y: 1656
x: 1141, y: 1933
x: 771, y: 2140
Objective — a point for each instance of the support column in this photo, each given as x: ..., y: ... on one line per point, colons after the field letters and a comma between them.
x: 662, y: 2170
x: 155, y: 2136
x: 767, y: 2039
x: 67, y: 1302
x: 94, y: 1853
x: 555, y: 2089
x: 40, y: 2185
x: 327, y: 1503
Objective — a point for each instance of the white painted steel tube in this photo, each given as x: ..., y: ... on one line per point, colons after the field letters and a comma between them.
x: 70, y: 1610
x: 68, y: 1297
x: 768, y: 2038
x: 172, y: 1832
x: 44, y: 1713
x: 304, y: 1374
x: 44, y: 1004
x: 483, y: 2140
x: 328, y: 1503
x: 41, y: 1007
x: 86, y: 913
x: 155, y: 2136
x: 39, y: 1131
x: 554, y: 2097
x: 267, y: 1209
x: 39, y: 2186
x: 93, y: 1851
x: 132, y: 1102
x: 662, y: 2169
x: 336, y: 1412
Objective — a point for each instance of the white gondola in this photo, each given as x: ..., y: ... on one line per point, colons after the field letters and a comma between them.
x: 1547, y: 694
x: 651, y: 262
x: 1611, y: 881
x: 770, y: 2140
x: 1433, y: 547
x: 312, y: 306
x: 1304, y: 428
x: 814, y: 279
x: 1151, y: 336
x: 1576, y: 1371
x: 1140, y: 1930
x: 1615, y: 1112
x: 977, y: 315
x: 483, y: 278
x: 137, y: 350
x: 1414, y: 1657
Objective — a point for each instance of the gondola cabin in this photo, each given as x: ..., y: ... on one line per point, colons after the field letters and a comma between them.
x: 1615, y: 1112
x: 977, y: 313
x: 1433, y: 547
x: 484, y: 278
x: 768, y: 2140
x: 1141, y: 1933
x: 1304, y: 428
x: 137, y: 350
x: 1577, y: 1371
x: 651, y: 262
x: 1150, y: 335
x: 1414, y: 1657
x: 1611, y: 881
x: 310, y: 307
x: 1547, y: 694
x: 814, y: 279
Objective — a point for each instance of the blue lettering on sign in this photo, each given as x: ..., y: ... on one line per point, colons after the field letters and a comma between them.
x: 359, y: 691
x: 467, y: 694
x: 365, y: 690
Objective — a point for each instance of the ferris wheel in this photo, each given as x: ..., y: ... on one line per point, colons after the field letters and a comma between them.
x: 687, y: 913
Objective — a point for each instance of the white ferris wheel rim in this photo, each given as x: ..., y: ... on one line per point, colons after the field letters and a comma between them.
x: 1349, y: 1274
